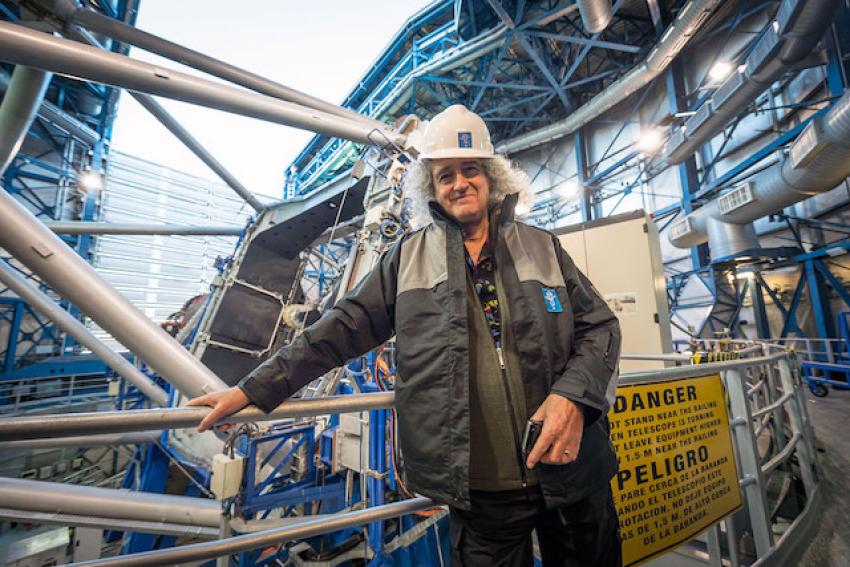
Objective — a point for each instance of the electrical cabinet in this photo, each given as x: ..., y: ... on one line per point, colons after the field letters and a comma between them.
x: 622, y: 257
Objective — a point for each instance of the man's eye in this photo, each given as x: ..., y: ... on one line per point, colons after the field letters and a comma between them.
x: 445, y: 178
x: 470, y: 170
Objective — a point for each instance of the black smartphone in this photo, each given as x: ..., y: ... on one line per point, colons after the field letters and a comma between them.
x: 529, y: 438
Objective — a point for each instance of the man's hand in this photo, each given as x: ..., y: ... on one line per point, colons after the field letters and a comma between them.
x: 224, y: 403
x: 563, y: 426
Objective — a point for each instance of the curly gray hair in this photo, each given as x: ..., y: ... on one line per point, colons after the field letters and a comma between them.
x: 505, y: 178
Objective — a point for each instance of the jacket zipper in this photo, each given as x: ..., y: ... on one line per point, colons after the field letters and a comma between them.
x: 504, y: 373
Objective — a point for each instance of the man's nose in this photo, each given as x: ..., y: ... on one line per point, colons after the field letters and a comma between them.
x: 461, y: 182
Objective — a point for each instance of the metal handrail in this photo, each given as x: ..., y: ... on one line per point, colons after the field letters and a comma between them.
x: 775, y: 370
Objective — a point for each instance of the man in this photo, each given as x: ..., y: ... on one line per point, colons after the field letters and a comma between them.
x: 494, y: 325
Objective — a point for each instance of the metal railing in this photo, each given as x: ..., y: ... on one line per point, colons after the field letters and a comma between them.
x: 772, y: 436
x: 34, y: 394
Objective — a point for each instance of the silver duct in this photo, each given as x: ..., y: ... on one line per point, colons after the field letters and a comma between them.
x: 43, y: 304
x: 675, y: 38
x: 786, y: 41
x: 595, y: 14
x: 818, y: 160
x: 53, y: 497
x: 19, y: 109
x: 24, y: 46
x: 51, y: 113
x: 35, y: 246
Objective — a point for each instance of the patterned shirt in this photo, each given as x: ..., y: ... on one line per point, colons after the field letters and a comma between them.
x: 484, y: 282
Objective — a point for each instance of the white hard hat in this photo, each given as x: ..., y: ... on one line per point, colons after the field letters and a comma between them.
x: 456, y: 132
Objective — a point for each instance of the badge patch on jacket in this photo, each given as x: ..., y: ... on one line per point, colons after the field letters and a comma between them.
x: 553, y: 304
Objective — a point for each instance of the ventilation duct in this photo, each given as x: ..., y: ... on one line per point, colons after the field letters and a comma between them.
x: 818, y: 160
x: 786, y: 41
x: 681, y: 31
x: 595, y: 14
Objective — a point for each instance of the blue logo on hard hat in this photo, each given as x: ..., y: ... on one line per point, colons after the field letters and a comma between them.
x: 464, y: 139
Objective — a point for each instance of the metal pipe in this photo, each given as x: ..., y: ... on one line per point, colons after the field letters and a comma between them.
x: 19, y: 109
x: 246, y: 542
x: 53, y: 497
x: 23, y: 46
x: 62, y: 425
x: 595, y: 14
x: 786, y: 41
x: 124, y: 33
x: 87, y: 227
x: 51, y: 113
x: 686, y: 25
x: 190, y: 142
x: 34, y: 245
x: 63, y: 8
x: 87, y: 521
x: 102, y: 440
x: 42, y: 303
x: 819, y: 159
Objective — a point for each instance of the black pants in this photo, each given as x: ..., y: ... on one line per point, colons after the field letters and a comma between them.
x: 497, y: 531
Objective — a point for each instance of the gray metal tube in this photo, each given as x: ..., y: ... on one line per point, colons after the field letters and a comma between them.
x: 61, y: 425
x: 51, y: 113
x: 90, y: 227
x: 108, y: 523
x: 19, y: 109
x: 53, y: 497
x: 24, y: 46
x: 101, y: 440
x: 822, y: 157
x: 124, y: 33
x: 34, y: 245
x: 190, y: 142
x: 227, y: 546
x: 166, y: 119
x: 595, y: 14
x: 32, y: 295
x: 686, y: 25
x: 787, y: 48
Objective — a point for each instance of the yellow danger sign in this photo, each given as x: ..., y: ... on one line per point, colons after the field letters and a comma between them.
x: 677, y: 471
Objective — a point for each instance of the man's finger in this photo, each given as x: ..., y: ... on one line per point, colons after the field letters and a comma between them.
x: 199, y: 401
x: 209, y: 420
x: 547, y: 436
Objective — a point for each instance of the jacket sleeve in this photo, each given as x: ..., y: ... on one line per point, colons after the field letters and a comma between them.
x: 590, y: 377
x: 360, y: 321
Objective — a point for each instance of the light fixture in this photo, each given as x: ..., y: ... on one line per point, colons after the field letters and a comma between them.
x: 569, y: 190
x: 649, y: 141
x: 90, y: 181
x: 719, y: 71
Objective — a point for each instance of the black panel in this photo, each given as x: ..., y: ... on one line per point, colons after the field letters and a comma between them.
x: 228, y: 365
x: 289, y: 238
x: 246, y: 318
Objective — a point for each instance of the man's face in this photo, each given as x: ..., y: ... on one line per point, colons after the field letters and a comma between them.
x: 461, y: 188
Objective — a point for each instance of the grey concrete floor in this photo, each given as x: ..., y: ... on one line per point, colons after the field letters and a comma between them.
x: 831, y: 419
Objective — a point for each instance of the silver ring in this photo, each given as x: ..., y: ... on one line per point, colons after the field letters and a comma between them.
x: 567, y: 453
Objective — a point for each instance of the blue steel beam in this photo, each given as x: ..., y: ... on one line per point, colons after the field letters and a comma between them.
x: 543, y: 66
x: 585, y: 41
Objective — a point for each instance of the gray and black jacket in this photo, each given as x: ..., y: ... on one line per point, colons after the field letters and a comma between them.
x: 418, y: 292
